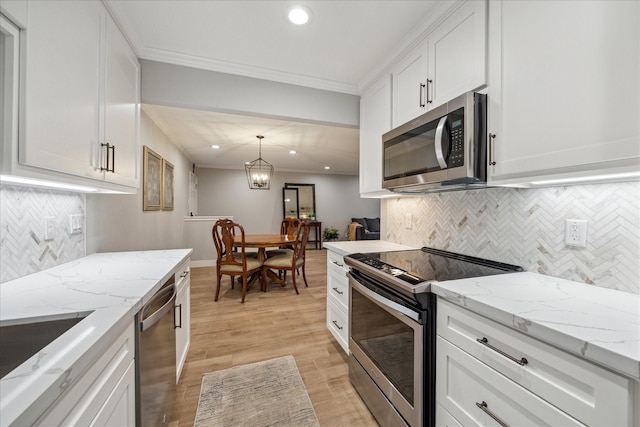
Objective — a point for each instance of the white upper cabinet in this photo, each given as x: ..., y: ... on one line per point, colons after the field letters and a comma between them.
x: 448, y: 63
x: 80, y: 91
x: 375, y: 119
x: 564, y: 94
x: 410, y: 85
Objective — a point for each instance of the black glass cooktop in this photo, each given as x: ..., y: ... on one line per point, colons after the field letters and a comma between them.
x: 428, y: 264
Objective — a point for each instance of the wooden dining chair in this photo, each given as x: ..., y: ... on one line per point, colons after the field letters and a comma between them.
x: 288, y: 226
x: 233, y: 263
x: 291, y: 262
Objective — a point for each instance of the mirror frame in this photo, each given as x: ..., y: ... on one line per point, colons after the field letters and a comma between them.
x: 298, y: 187
x: 286, y: 214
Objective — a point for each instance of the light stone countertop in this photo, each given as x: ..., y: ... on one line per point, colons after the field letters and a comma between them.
x: 112, y: 287
x: 364, y: 246
x: 601, y: 325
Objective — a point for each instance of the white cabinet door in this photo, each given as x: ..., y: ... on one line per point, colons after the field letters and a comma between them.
x: 121, y: 108
x: 60, y: 113
x: 183, y: 316
x: 375, y: 119
x: 564, y: 93
x: 410, y: 79
x: 449, y: 62
x: 458, y: 54
x: 119, y: 410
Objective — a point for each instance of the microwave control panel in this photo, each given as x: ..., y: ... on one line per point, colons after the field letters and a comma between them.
x: 456, y: 156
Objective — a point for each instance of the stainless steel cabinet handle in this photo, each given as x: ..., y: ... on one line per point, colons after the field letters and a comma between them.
x: 338, y: 264
x: 422, y: 86
x: 338, y: 291
x: 492, y: 142
x: 184, y: 273
x: 336, y: 323
x: 174, y: 317
x: 486, y: 410
x: 429, y: 82
x: 484, y: 341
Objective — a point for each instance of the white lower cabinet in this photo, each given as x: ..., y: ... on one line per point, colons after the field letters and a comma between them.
x: 338, y: 299
x: 105, y: 394
x: 183, y: 315
x: 487, y: 371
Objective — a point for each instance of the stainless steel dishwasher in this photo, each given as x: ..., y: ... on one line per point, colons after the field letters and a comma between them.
x: 156, y: 358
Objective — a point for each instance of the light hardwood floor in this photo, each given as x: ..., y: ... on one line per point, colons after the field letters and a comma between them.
x: 268, y: 325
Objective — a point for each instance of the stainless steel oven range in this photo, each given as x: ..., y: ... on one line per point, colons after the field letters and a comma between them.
x: 392, y: 328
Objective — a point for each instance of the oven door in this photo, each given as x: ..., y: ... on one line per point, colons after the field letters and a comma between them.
x: 387, y: 339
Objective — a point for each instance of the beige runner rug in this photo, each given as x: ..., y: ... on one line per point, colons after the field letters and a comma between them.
x: 268, y: 393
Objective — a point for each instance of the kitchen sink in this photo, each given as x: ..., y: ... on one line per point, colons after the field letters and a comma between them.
x: 20, y: 342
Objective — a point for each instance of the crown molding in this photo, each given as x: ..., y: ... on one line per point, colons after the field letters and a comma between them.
x: 209, y: 64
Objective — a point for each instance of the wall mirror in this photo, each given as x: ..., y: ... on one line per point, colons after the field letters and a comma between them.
x: 299, y: 200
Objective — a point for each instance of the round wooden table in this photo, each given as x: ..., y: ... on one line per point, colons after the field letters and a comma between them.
x: 262, y: 242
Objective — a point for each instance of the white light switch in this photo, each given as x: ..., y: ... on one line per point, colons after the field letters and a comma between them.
x: 49, y: 227
x: 75, y: 223
x: 407, y: 221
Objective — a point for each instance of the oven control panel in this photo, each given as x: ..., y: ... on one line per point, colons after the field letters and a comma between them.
x: 391, y: 270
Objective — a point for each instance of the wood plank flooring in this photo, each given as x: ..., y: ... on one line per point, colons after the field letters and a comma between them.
x: 268, y: 325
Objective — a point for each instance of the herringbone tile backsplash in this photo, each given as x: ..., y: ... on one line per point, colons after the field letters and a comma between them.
x: 526, y: 227
x: 23, y: 249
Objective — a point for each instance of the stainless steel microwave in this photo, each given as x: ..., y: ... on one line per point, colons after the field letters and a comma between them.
x: 443, y: 149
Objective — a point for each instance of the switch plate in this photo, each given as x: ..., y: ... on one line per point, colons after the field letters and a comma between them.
x: 575, y: 233
x: 408, y: 219
x: 49, y: 227
x: 75, y: 223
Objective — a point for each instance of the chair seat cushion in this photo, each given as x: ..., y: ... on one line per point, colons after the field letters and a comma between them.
x: 252, y: 264
x: 279, y: 252
x: 282, y: 261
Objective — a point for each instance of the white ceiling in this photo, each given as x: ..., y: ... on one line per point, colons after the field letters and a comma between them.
x: 344, y: 43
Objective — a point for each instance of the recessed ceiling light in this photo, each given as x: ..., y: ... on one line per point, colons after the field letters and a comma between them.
x: 215, y: 147
x: 292, y: 152
x: 299, y: 15
x: 327, y: 167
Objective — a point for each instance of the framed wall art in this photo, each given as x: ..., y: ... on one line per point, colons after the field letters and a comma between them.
x: 167, y: 186
x: 152, y: 181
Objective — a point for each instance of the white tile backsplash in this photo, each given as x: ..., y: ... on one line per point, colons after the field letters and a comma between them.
x: 526, y: 227
x: 23, y: 249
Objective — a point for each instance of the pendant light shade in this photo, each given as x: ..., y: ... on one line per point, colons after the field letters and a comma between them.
x: 259, y: 172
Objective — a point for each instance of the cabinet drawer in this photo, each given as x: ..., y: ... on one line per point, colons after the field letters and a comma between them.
x: 336, y: 260
x: 444, y: 418
x: 182, y: 274
x: 338, y: 287
x: 463, y: 384
x: 338, y: 324
x: 591, y: 394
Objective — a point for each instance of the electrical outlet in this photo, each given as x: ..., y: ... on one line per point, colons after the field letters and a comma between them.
x: 49, y: 227
x: 408, y: 221
x: 575, y: 233
x: 75, y: 223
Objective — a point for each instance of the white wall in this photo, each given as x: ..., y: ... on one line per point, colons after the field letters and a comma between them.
x: 226, y: 192
x: 118, y: 223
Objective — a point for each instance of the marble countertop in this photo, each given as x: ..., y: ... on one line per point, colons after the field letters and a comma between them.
x: 364, y: 246
x: 109, y: 287
x: 601, y: 325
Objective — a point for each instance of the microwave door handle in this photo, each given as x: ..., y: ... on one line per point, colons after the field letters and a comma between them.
x: 438, y: 142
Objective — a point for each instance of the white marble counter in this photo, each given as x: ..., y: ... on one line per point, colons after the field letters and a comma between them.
x: 598, y: 324
x: 364, y: 246
x: 112, y: 287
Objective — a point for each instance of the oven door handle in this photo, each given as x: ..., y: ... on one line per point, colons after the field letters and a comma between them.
x: 384, y: 301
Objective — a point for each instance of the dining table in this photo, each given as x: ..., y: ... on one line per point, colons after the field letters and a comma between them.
x: 262, y: 242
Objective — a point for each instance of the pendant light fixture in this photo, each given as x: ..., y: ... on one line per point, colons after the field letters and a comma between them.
x: 259, y: 172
